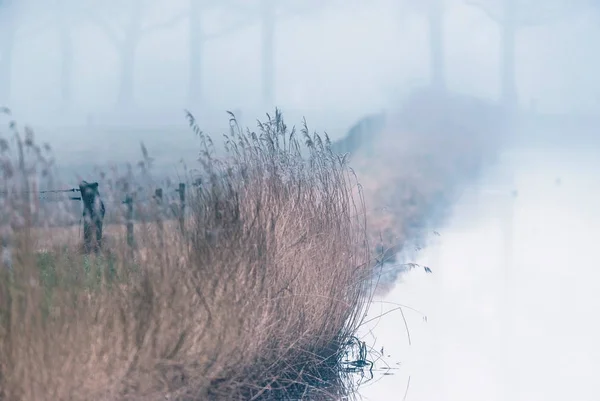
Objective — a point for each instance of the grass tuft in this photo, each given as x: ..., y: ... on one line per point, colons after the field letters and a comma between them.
x: 256, y: 298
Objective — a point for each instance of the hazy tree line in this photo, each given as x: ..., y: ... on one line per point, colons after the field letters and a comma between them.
x: 125, y: 25
x: 510, y: 16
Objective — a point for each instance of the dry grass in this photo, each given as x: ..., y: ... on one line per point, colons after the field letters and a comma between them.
x: 432, y: 146
x: 255, y: 301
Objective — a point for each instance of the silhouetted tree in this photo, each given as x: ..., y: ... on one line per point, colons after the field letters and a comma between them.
x: 8, y: 30
x: 511, y: 16
x: 198, y: 36
x: 125, y: 28
x: 269, y: 12
x: 433, y: 10
x: 64, y: 24
x: 127, y: 35
x: 15, y: 29
x: 436, y: 43
x: 268, y: 15
x: 196, y: 41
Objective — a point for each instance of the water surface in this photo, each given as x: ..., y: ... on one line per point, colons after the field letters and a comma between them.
x: 511, y: 307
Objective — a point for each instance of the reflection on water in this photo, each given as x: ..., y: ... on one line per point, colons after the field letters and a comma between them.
x: 510, y: 310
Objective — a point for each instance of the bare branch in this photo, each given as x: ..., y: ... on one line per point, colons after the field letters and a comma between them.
x: 238, y: 26
x: 534, y: 21
x: 297, y: 8
x: 524, y: 19
x: 496, y: 18
x: 243, y: 7
x: 301, y: 9
x: 36, y: 30
x: 107, y: 28
x: 174, y: 21
x: 110, y: 31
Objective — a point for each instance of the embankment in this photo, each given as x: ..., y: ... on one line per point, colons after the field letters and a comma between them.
x: 413, y: 163
x: 255, y: 299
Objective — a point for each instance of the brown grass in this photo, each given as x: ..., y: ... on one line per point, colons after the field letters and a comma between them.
x: 433, y: 145
x: 256, y: 300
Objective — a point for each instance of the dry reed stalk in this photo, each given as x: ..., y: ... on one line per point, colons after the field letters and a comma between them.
x: 255, y: 301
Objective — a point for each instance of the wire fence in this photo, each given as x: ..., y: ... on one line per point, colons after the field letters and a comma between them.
x: 163, y: 205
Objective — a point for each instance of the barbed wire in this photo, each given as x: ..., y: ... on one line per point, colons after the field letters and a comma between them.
x: 135, y: 195
x: 49, y: 191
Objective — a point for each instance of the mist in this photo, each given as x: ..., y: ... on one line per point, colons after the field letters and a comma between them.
x: 429, y: 97
x: 74, y: 63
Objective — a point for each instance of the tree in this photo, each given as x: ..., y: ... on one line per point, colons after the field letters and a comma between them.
x: 269, y: 12
x: 433, y: 10
x: 64, y: 23
x: 511, y: 16
x: 123, y: 24
x: 127, y: 34
x: 13, y: 29
x: 197, y: 38
x: 436, y: 43
x: 8, y: 31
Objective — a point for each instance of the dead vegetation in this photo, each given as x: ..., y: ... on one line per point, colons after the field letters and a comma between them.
x: 264, y: 289
x: 256, y: 299
x: 413, y: 168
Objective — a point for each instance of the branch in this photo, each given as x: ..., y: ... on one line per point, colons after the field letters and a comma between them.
x: 547, y: 16
x: 240, y: 25
x: 299, y: 10
x: 48, y: 24
x: 242, y: 6
x: 490, y: 15
x: 101, y: 23
x: 534, y: 21
x: 520, y: 21
x: 174, y: 21
x: 108, y: 30
x: 22, y: 34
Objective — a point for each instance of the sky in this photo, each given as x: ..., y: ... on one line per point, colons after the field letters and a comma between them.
x: 335, y: 62
x: 343, y: 58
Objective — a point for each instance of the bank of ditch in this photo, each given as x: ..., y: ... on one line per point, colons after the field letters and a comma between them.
x: 413, y: 163
x: 261, y: 294
x: 256, y: 299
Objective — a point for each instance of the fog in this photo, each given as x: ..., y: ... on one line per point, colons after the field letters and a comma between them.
x: 511, y: 300
x: 68, y: 62
x: 95, y: 78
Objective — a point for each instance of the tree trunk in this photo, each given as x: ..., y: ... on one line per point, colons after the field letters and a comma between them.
x: 67, y: 60
x: 6, y: 53
x: 196, y: 39
x: 268, y: 50
x: 126, y: 96
x: 127, y: 52
x: 436, y: 41
x: 7, y: 45
x: 508, y: 78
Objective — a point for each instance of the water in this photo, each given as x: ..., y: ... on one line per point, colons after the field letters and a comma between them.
x: 512, y: 304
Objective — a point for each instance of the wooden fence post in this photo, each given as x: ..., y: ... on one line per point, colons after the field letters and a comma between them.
x: 7, y: 255
x: 129, y: 217
x: 93, y: 216
x: 181, y: 191
x: 158, y: 196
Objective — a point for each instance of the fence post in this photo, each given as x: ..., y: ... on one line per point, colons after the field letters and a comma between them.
x: 158, y: 196
x: 129, y: 217
x: 7, y: 256
x: 181, y: 191
x: 93, y: 216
